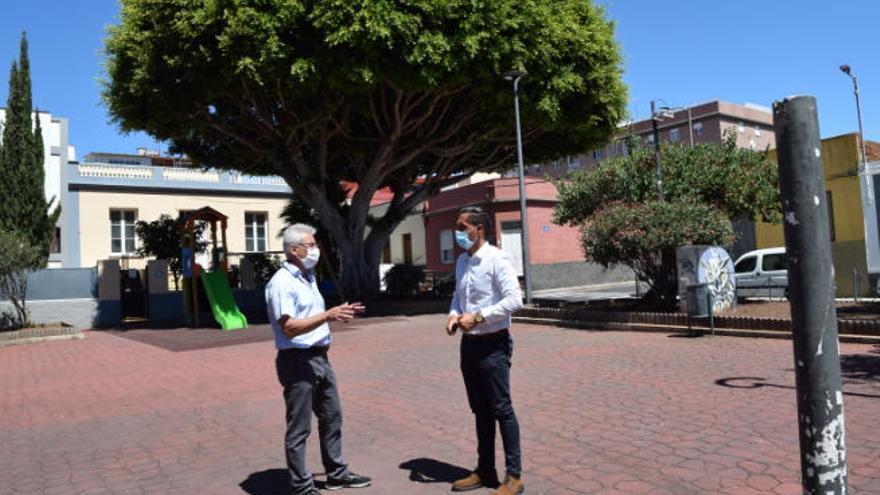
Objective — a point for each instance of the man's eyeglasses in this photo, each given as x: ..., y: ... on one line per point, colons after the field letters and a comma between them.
x: 308, y: 245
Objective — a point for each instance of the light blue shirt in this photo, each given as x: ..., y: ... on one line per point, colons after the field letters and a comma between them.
x: 290, y: 293
x: 486, y: 282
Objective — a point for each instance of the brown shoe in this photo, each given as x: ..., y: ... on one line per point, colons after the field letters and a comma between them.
x: 475, y: 480
x: 511, y: 486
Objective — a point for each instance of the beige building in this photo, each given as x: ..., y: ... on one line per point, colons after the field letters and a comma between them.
x: 702, y: 123
x: 108, y: 194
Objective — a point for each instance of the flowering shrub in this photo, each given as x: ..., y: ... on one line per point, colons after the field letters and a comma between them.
x: 704, y: 186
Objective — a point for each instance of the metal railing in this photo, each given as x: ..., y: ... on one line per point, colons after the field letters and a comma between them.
x: 138, y: 174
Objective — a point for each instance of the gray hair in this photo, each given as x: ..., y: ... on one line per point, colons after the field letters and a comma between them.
x: 295, y: 234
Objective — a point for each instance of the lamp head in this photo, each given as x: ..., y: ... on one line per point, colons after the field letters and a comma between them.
x: 845, y: 69
x: 511, y: 75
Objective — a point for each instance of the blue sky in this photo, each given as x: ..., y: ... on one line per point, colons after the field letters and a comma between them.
x: 684, y: 51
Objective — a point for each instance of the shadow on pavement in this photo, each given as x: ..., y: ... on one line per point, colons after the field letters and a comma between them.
x: 424, y: 470
x: 863, y: 367
x: 754, y: 382
x: 268, y: 482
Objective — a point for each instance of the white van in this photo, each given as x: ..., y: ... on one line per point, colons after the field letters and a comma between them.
x: 762, y: 273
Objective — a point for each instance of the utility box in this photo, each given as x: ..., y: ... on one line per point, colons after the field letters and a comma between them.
x: 710, y: 266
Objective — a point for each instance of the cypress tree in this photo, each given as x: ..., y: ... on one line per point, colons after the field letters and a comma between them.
x: 24, y: 209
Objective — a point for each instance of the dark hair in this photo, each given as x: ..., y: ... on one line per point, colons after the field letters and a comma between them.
x: 478, y: 216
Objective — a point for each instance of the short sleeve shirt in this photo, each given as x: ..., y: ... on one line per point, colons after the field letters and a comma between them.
x: 295, y: 294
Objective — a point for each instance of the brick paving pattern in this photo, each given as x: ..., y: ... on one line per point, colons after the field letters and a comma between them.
x: 600, y: 412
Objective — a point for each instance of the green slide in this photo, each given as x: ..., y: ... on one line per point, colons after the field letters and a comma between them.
x: 223, y: 305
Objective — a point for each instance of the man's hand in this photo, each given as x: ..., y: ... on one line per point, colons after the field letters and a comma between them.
x: 345, y: 312
x: 467, y: 321
x: 452, y: 324
x: 357, y: 307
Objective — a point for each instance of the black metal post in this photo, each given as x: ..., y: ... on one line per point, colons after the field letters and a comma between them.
x: 656, y: 135
x: 811, y: 284
x: 516, y: 76
x: 711, y: 311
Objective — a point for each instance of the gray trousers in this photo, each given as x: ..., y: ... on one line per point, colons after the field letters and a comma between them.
x: 310, y: 386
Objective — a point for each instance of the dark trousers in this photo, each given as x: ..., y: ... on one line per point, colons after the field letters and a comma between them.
x: 310, y: 386
x: 485, y: 366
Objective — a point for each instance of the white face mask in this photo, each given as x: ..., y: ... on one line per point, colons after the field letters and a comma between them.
x: 311, y: 258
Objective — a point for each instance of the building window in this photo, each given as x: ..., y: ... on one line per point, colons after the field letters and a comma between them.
x: 741, y: 127
x: 597, y: 154
x: 650, y: 139
x: 574, y: 163
x: 757, y: 131
x: 446, y: 252
x: 407, y: 249
x: 674, y: 135
x: 830, y: 215
x: 255, y: 232
x: 55, y: 245
x: 698, y: 129
x: 386, y: 253
x: 122, y: 236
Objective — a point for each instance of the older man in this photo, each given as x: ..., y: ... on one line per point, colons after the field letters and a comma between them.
x: 302, y: 336
x: 486, y: 295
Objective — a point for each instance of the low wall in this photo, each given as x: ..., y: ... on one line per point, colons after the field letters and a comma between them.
x: 63, y: 283
x: 168, y: 306
x: 81, y: 313
x: 573, y: 274
x: 67, y: 295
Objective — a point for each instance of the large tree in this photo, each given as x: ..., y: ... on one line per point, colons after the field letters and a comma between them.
x: 375, y: 92
x: 24, y: 210
x: 704, y: 186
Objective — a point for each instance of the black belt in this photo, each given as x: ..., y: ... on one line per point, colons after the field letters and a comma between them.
x: 315, y: 349
x: 482, y: 336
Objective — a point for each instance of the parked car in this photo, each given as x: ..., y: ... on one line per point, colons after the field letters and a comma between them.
x: 762, y: 273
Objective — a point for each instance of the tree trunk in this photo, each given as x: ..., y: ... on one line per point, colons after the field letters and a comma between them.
x: 359, y: 275
x: 667, y: 283
x: 19, y: 298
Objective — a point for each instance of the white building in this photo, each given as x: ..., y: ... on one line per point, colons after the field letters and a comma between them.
x: 58, y: 154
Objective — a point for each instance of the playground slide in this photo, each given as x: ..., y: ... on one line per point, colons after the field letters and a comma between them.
x: 223, y: 305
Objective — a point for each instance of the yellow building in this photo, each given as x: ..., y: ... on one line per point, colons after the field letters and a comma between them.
x: 108, y: 194
x: 852, y: 213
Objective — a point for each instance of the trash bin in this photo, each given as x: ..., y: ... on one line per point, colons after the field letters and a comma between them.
x: 698, y: 301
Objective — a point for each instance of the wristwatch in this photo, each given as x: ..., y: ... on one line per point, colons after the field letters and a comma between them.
x: 478, y: 317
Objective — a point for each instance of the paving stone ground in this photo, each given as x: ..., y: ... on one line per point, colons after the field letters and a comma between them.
x: 600, y: 412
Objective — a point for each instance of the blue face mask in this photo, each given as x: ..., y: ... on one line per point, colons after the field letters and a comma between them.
x: 461, y: 237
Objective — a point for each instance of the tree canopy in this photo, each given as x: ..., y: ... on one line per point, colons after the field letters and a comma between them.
x: 736, y: 181
x: 376, y: 92
x: 704, y: 187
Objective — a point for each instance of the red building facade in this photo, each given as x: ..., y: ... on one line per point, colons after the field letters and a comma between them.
x: 548, y: 243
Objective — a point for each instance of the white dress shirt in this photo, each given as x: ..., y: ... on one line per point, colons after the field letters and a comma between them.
x: 290, y: 293
x: 486, y: 282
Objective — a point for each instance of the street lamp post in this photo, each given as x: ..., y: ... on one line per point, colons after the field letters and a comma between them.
x: 665, y: 112
x: 656, y: 134
x: 846, y: 70
x: 515, y: 76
